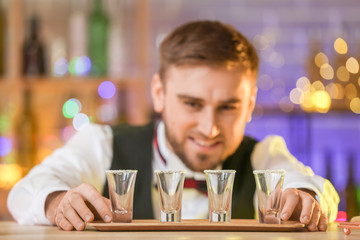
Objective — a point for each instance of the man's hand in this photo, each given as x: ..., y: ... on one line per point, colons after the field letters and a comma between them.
x: 74, y: 208
x: 300, y: 205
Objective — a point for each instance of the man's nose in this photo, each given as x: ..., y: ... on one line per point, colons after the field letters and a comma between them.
x: 207, y: 123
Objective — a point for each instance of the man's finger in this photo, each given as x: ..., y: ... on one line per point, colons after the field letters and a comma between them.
x: 313, y: 224
x: 62, y: 222
x: 95, y: 199
x: 71, y: 215
x: 323, y: 222
x: 78, y: 203
x: 290, y: 199
x: 308, y: 203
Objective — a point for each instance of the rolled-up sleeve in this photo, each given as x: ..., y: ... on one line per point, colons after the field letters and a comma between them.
x: 272, y: 153
x: 83, y: 159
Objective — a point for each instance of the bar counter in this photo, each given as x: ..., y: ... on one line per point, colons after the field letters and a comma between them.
x: 13, y: 231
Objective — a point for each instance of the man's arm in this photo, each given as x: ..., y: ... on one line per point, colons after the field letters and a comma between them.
x: 307, y: 198
x: 83, y: 159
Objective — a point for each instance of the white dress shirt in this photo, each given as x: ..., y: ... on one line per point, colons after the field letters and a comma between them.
x: 86, y: 156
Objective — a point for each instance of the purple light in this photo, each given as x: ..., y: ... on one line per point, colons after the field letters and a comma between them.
x: 82, y: 66
x: 61, y: 67
x: 5, y: 146
x: 106, y: 89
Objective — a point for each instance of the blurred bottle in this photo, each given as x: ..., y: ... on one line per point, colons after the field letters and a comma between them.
x: 116, y: 48
x: 2, y: 39
x: 33, y: 52
x: 98, y: 39
x: 77, y: 30
x: 26, y: 133
x: 351, y: 195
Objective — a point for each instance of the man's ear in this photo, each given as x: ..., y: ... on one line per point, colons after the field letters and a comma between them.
x: 158, y: 93
x: 252, y: 103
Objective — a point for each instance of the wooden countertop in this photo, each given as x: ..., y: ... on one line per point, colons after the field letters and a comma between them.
x: 14, y: 231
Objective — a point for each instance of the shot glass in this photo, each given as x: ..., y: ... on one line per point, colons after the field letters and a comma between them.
x: 219, y: 185
x: 269, y: 185
x: 170, y: 186
x: 121, y: 191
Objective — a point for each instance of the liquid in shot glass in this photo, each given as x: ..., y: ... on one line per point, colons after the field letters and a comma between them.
x: 170, y: 186
x: 269, y: 185
x: 121, y: 191
x: 220, y: 184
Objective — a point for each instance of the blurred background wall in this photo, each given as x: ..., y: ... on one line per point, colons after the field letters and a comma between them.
x: 65, y: 64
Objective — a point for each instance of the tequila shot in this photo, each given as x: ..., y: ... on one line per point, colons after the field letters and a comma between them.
x: 170, y: 186
x: 121, y: 191
x: 220, y: 184
x: 269, y: 185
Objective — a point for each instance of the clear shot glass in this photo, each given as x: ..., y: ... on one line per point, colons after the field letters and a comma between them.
x: 219, y: 185
x: 269, y: 185
x: 170, y: 186
x: 121, y: 191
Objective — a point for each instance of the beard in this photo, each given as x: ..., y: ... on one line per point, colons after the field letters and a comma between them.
x: 178, y: 149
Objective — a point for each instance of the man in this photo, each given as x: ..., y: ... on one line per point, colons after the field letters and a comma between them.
x: 205, y: 92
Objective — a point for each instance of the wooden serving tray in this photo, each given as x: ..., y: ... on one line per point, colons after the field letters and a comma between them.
x: 249, y: 225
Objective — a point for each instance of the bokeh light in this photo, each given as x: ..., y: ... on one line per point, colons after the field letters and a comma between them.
x: 355, y: 105
x: 340, y: 46
x: 265, y: 82
x: 71, y: 107
x: 303, y: 83
x: 83, y: 66
x: 321, y: 59
x: 5, y: 123
x: 80, y: 121
x: 9, y: 175
x: 285, y: 104
x: 307, y: 104
x: 321, y: 100
x: 106, y: 89
x: 326, y: 71
x: 67, y: 132
x: 261, y: 42
x: 80, y: 66
x: 106, y: 113
x: 61, y: 67
x: 350, y: 91
x: 296, y: 96
x: 335, y: 90
x: 342, y: 74
x: 352, y: 65
x: 5, y: 146
x: 317, y: 86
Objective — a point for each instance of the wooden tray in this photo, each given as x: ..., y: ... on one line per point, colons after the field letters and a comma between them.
x: 249, y: 225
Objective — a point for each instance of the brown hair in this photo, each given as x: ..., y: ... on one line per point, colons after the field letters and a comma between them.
x: 210, y: 43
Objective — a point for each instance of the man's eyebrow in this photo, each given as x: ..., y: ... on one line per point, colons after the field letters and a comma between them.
x: 228, y: 101
x: 186, y: 97
x: 231, y: 100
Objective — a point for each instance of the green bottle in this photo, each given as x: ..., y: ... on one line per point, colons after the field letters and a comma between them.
x: 98, y: 40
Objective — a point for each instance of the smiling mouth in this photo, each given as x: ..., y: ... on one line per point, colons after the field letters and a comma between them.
x: 207, y: 144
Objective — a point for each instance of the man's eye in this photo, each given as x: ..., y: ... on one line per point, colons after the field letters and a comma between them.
x: 193, y: 104
x: 227, y: 107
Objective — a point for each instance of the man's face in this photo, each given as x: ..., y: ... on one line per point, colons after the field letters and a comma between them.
x: 205, y: 111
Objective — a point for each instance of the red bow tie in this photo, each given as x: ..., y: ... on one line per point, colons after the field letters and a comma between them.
x: 196, y: 184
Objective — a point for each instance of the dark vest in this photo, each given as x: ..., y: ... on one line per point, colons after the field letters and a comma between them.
x: 132, y: 149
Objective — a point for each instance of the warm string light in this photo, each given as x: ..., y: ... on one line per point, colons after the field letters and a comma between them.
x: 318, y: 96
